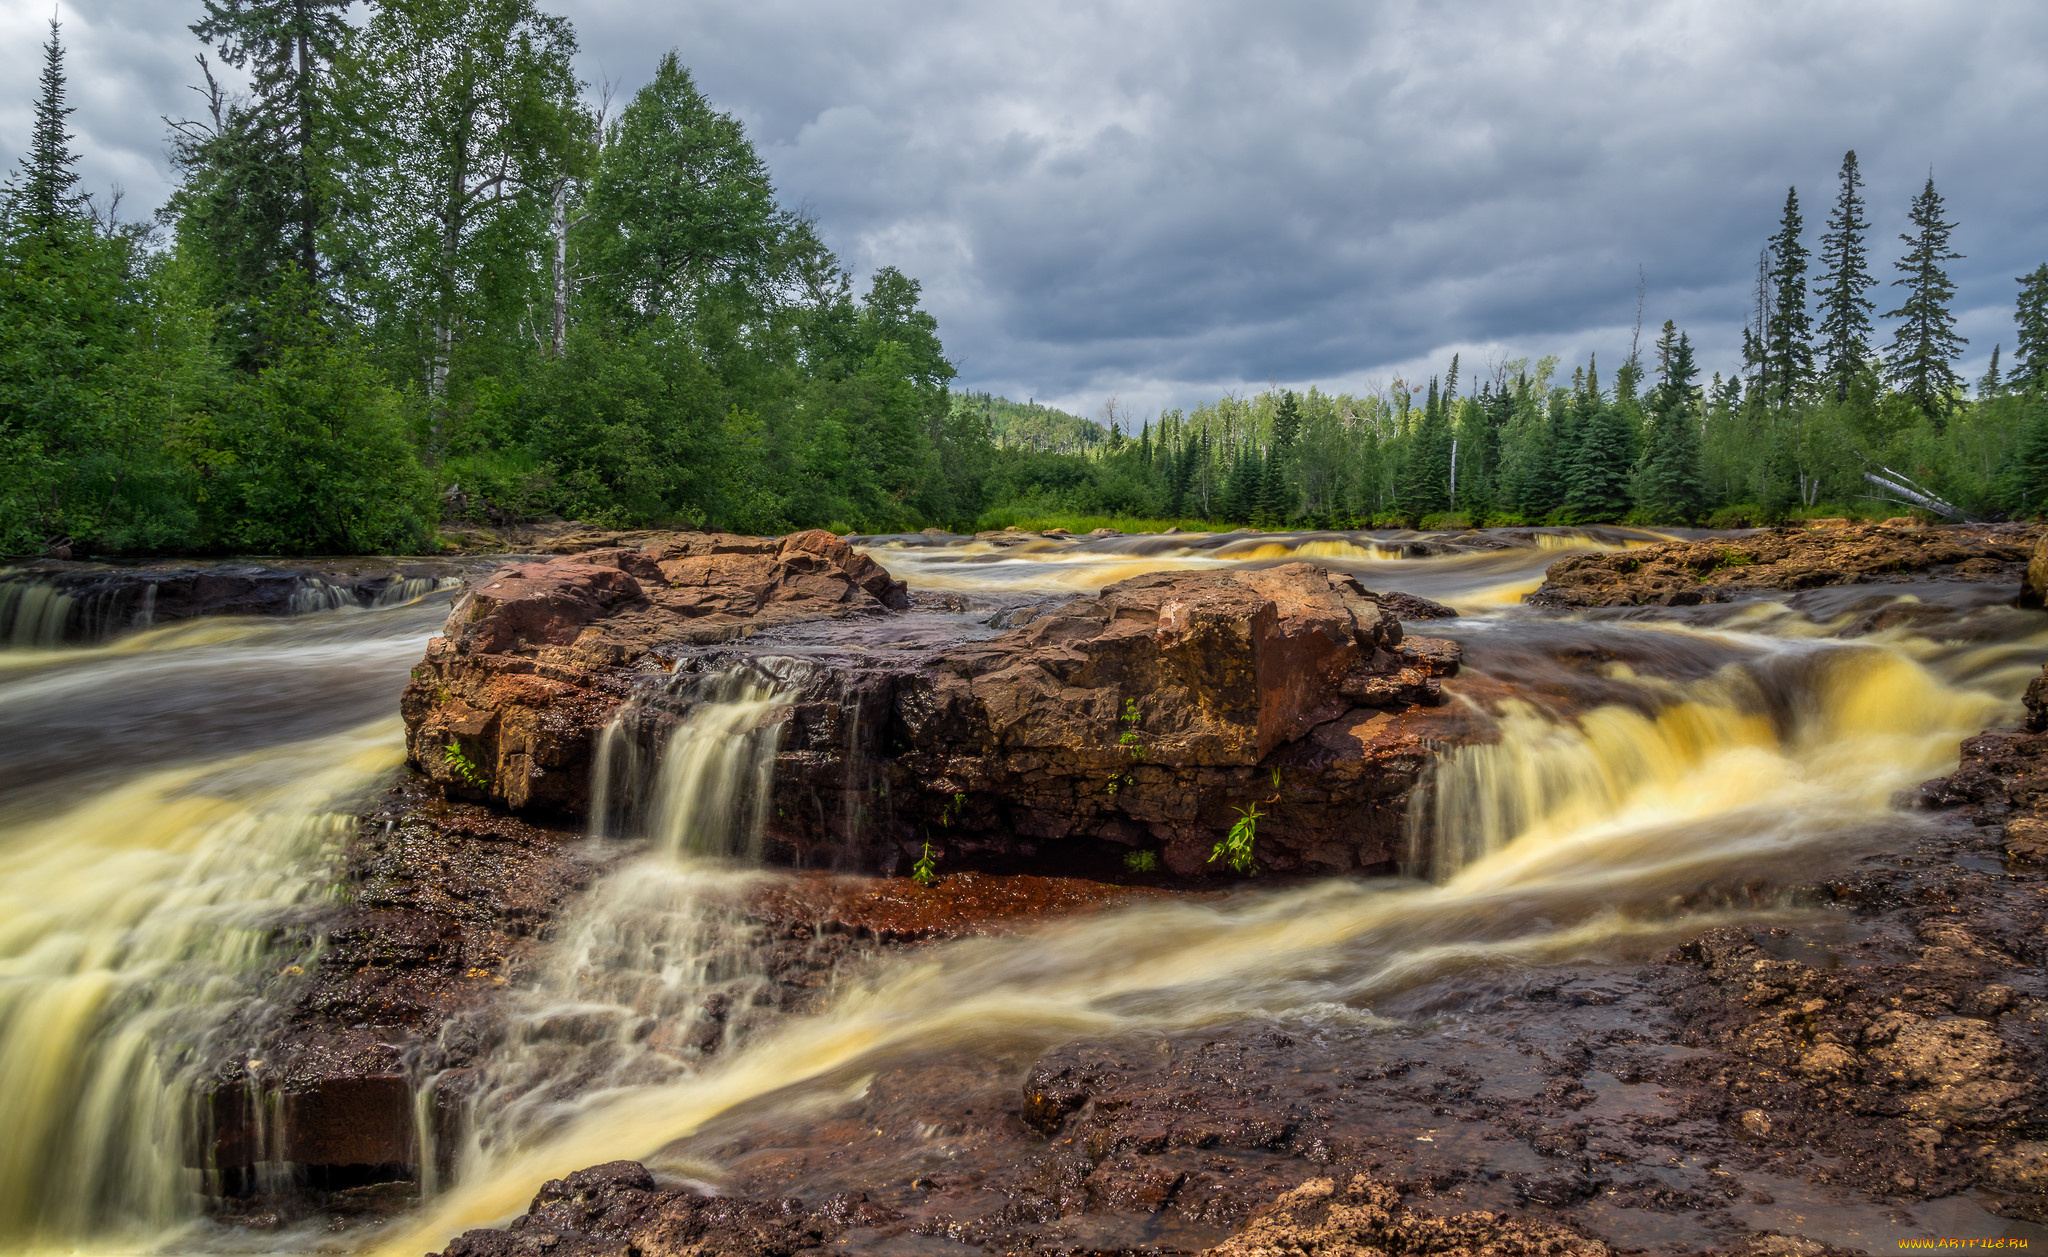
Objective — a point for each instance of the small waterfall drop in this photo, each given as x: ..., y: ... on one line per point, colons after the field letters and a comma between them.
x: 133, y: 928
x: 404, y: 589
x: 659, y: 969
x: 1808, y: 734
x: 33, y: 615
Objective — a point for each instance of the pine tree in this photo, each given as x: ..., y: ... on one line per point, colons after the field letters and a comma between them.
x: 1275, y: 499
x: 1844, y: 311
x: 1991, y: 385
x: 285, y: 44
x: 1602, y: 462
x: 1925, y: 346
x: 1671, y: 483
x: 1788, y: 347
x: 1425, y: 487
x: 2030, y: 355
x: 44, y: 199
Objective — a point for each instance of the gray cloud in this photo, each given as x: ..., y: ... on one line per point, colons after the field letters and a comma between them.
x: 1167, y: 201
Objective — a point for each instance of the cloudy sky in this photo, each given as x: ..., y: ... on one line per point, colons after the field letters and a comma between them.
x: 1166, y: 201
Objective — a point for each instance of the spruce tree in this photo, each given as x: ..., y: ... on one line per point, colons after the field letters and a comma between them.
x: 44, y: 199
x: 1921, y: 362
x: 1788, y: 347
x: 1671, y: 484
x: 1275, y: 500
x: 2030, y: 355
x: 1991, y: 385
x: 286, y: 46
x: 1845, y: 328
x: 1241, y: 490
x: 1599, y: 469
x: 1426, y: 479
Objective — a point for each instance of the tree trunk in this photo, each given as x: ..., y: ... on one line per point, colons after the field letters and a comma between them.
x: 559, y: 224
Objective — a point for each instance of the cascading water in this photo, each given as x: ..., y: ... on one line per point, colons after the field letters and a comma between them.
x: 33, y: 614
x: 658, y: 970
x: 132, y: 928
x: 136, y: 926
x: 1626, y: 830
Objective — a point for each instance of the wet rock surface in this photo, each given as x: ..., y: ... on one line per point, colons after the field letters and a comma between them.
x: 444, y: 905
x: 537, y: 659
x: 1029, y: 735
x: 1719, y: 569
x: 1855, y: 1066
x: 55, y: 602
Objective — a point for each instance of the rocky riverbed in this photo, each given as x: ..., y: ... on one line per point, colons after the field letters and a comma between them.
x: 1821, y: 1065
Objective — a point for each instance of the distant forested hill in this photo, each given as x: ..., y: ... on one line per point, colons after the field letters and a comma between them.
x: 1030, y: 426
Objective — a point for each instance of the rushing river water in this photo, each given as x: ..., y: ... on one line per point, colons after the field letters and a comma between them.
x: 168, y: 799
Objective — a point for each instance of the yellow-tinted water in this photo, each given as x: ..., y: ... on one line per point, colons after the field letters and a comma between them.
x: 132, y: 927
x: 1569, y: 838
x: 133, y: 916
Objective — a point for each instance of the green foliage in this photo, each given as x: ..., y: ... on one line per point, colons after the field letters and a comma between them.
x: 1921, y: 362
x: 1844, y: 309
x: 2030, y: 355
x: 1141, y: 861
x: 1030, y: 426
x: 925, y: 872
x: 42, y: 198
x: 412, y: 272
x: 1787, y: 360
x: 460, y: 764
x: 1236, y: 848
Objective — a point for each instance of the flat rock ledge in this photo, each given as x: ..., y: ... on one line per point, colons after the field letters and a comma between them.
x: 1722, y: 569
x: 1147, y: 717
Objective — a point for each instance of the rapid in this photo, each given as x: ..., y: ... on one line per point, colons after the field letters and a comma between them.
x: 172, y: 805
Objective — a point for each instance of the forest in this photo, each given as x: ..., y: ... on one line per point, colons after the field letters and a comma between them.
x: 414, y: 275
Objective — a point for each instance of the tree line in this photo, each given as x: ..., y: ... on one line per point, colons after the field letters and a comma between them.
x: 412, y: 273
x: 1820, y: 419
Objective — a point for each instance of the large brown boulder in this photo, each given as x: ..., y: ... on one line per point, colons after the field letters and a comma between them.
x: 537, y: 659
x: 1150, y: 715
x: 1158, y: 711
x: 1716, y: 569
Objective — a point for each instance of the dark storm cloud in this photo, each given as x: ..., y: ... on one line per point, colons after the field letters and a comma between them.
x: 1167, y: 201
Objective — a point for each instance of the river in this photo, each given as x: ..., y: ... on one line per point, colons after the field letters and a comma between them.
x: 170, y: 799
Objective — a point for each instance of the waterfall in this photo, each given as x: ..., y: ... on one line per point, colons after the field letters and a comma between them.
x: 33, y: 615
x: 314, y: 594
x: 659, y: 969
x: 404, y: 589
x: 1807, y: 727
x: 135, y: 932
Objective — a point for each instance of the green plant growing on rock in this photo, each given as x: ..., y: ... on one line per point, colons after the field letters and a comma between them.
x: 1142, y: 861
x: 467, y: 772
x: 926, y: 871
x: 1130, y: 739
x: 1236, y: 847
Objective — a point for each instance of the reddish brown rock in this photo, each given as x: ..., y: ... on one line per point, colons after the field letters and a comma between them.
x: 1152, y: 714
x: 2034, y: 589
x: 1156, y: 713
x: 541, y: 656
x: 1688, y: 573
